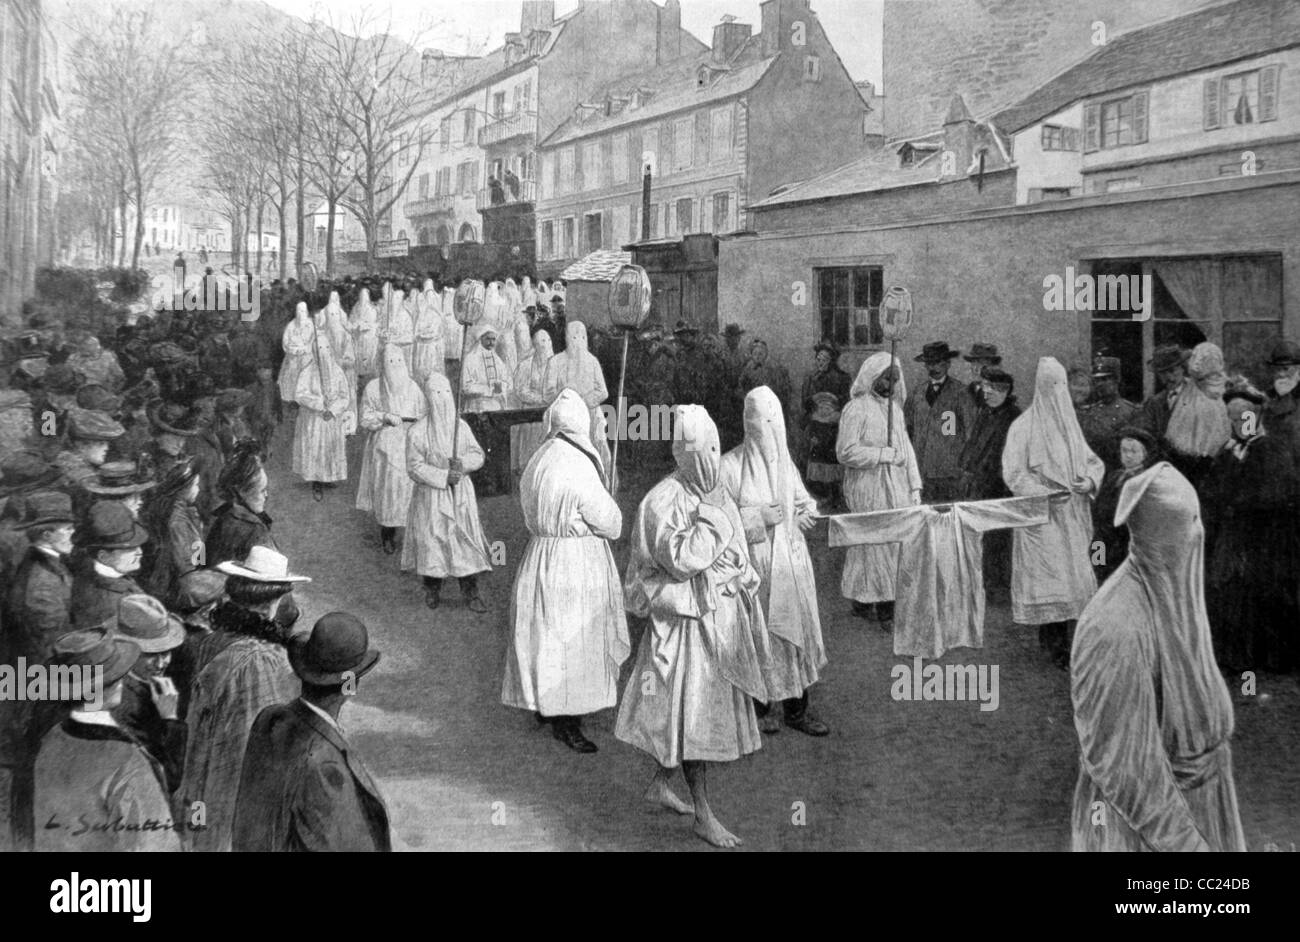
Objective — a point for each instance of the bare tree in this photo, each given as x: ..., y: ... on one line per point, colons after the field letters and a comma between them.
x: 137, y: 84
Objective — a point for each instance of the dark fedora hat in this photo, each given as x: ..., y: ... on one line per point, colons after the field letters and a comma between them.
x: 47, y: 507
x: 1286, y: 353
x: 682, y: 327
x: 936, y: 352
x: 337, y: 646
x: 1167, y: 357
x: 97, y: 647
x: 733, y: 330
x: 172, y: 418
x: 984, y: 352
x: 26, y: 471
x: 117, y: 479
x: 109, y: 525
x: 143, y: 620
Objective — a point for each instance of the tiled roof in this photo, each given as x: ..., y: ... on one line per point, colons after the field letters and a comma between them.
x: 601, y: 265
x: 673, y: 86
x: 880, y: 169
x: 1200, y: 40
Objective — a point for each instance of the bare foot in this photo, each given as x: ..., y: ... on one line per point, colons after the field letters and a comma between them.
x: 660, y: 794
x: 713, y: 832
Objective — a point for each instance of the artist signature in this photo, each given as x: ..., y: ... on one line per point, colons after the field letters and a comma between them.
x: 118, y: 825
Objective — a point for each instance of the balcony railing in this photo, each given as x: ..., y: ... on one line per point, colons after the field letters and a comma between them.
x: 431, y: 205
x: 519, y: 124
x: 504, y: 196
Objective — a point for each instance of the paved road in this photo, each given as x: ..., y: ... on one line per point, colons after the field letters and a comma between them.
x: 461, y: 771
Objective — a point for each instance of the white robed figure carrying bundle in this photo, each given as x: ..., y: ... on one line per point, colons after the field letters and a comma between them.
x: 688, y: 699
x: 444, y: 537
x: 776, y: 510
x: 570, y: 630
x: 326, y: 411
x: 390, y: 406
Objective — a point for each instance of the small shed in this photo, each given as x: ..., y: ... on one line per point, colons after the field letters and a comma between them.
x: 587, y: 284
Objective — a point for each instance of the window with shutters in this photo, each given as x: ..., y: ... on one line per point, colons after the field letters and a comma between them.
x: 1118, y: 122
x: 720, y: 133
x: 499, y: 105
x: 591, y: 169
x: 424, y: 186
x: 618, y: 160
x: 685, y: 212
x: 468, y: 127
x: 721, y: 212
x: 566, y: 248
x: 593, y: 231
x: 444, y: 133
x: 683, y: 143
x: 1241, y: 98
x: 566, y: 171
x: 548, y: 239
x: 812, y: 69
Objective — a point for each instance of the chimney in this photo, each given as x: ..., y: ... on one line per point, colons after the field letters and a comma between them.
x: 959, y: 132
x: 669, y: 44
x: 537, y: 14
x: 778, y: 19
x: 728, y: 37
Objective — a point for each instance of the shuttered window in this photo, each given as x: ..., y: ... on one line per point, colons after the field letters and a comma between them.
x: 1118, y: 122
x: 1240, y: 98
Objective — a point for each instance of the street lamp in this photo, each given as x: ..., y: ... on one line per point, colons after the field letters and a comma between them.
x: 467, y: 307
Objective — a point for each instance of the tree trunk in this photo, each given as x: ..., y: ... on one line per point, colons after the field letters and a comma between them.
x: 139, y: 223
x: 331, y: 203
x: 261, y: 209
x: 282, y: 211
x: 300, y: 198
x: 121, y: 246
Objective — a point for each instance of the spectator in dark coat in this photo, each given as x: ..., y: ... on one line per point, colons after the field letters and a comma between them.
x: 303, y: 787
x: 241, y: 521
x: 821, y: 421
x: 1252, y: 497
x: 112, y: 541
x: 939, y: 416
x: 36, y: 614
x: 175, y: 532
x: 981, y: 456
x: 1169, y: 363
x: 150, y: 699
x: 1282, y: 411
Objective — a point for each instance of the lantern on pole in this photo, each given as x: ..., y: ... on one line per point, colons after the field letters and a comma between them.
x: 895, y: 322
x: 467, y: 307
x: 629, y: 306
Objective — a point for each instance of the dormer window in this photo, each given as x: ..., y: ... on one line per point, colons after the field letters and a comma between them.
x: 702, y: 76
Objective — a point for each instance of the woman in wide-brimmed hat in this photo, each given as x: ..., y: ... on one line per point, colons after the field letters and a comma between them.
x: 821, y: 422
x: 176, y: 531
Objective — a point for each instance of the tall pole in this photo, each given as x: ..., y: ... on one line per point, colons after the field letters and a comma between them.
x: 889, y: 404
x: 645, y: 203
x: 456, y: 396
x: 618, y: 429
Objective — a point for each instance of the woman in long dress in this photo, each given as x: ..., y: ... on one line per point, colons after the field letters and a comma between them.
x: 1051, y: 567
x: 570, y: 630
x: 298, y: 339
x: 326, y: 410
x: 444, y: 537
x: 530, y: 393
x: 880, y: 473
x: 390, y: 405
x: 689, y: 698
x: 776, y: 510
x: 430, y: 353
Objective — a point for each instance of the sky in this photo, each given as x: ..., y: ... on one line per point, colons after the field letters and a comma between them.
x: 477, y: 26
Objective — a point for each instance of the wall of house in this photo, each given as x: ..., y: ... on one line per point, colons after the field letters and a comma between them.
x: 979, y: 277
x: 799, y: 129
x: 1176, y: 115
x: 1221, y: 162
x: 1037, y: 168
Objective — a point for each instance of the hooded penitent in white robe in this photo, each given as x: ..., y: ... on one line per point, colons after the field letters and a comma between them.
x: 333, y: 325
x: 481, y: 370
x: 444, y: 536
x: 1051, y: 568
x: 429, y: 356
x: 452, y: 331
x: 530, y: 393
x: 299, y: 335
x: 396, y: 326
x: 388, y: 406
x: 870, y: 483
x: 496, y: 313
x: 363, y: 323
x: 1152, y: 711
x: 578, y: 369
x: 570, y: 630
x: 699, y: 663
x: 320, y: 443
x: 1199, y: 422
x: 757, y: 474
x: 527, y: 293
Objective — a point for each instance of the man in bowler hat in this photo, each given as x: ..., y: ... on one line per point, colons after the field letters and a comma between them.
x: 303, y: 788
x: 939, y: 415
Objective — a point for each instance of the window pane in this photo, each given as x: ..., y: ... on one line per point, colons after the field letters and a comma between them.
x: 1246, y: 347
x: 1252, y: 288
